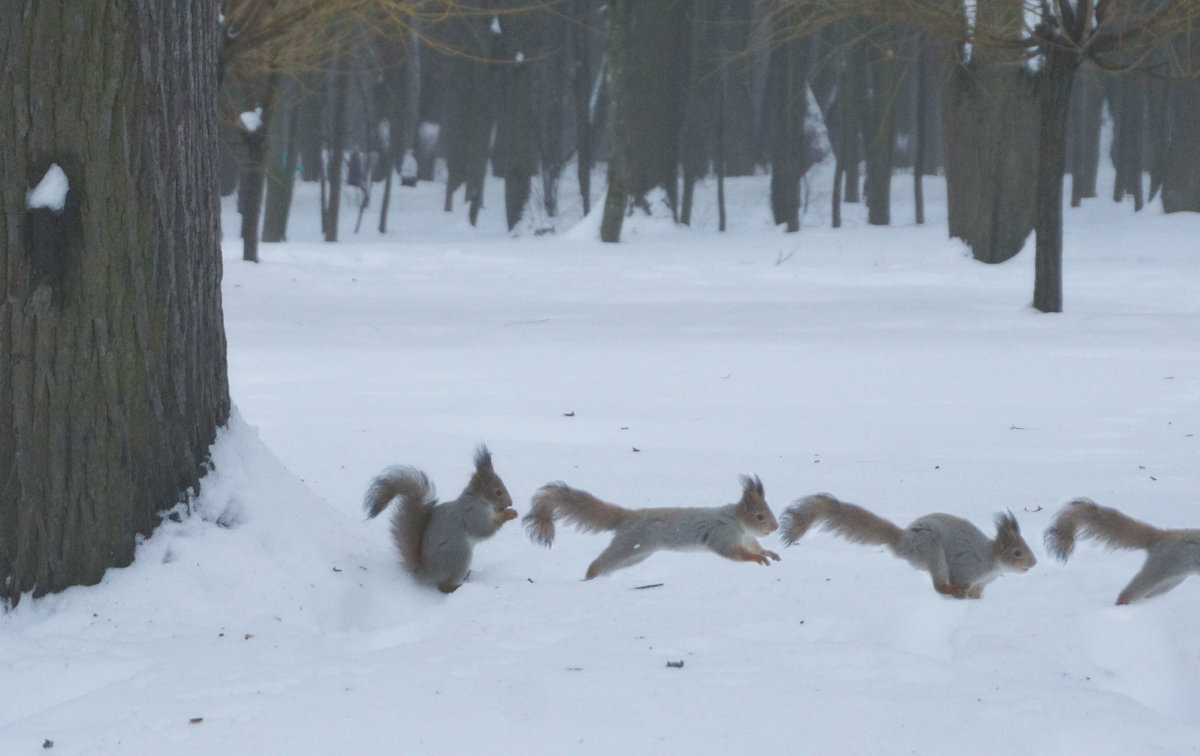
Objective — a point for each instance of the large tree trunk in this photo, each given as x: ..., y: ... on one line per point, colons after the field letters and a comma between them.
x: 1054, y: 99
x: 112, y: 347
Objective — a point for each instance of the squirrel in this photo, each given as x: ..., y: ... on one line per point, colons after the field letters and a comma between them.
x: 729, y: 530
x: 1171, y: 555
x: 958, y: 556
x: 435, y: 540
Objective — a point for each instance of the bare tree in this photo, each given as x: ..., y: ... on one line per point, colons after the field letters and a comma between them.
x: 1062, y: 35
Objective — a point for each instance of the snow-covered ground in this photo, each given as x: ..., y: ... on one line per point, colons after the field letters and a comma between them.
x: 883, y: 365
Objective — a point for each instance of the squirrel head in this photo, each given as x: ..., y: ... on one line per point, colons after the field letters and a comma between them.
x: 485, y: 483
x: 752, y: 509
x: 1010, y: 548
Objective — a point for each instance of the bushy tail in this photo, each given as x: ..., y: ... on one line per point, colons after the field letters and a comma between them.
x: 1113, y: 528
x: 417, y: 500
x: 850, y: 521
x: 579, y: 508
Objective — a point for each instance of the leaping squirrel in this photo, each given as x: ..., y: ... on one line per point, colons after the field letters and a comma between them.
x: 729, y: 530
x: 435, y: 540
x: 957, y: 555
x: 1171, y: 555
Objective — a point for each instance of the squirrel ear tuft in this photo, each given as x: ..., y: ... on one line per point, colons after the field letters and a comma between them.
x: 483, y: 458
x: 1007, y: 523
x: 752, y: 483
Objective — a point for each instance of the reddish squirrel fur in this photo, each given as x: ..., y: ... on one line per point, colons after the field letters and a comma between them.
x: 729, y: 530
x: 1171, y: 555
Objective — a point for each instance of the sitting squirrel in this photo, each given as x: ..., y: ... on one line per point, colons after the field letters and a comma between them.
x: 727, y: 530
x: 960, y: 558
x: 435, y: 540
x: 1171, y: 555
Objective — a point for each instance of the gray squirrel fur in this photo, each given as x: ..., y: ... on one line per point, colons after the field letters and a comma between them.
x: 729, y: 530
x: 1171, y: 555
x: 435, y: 540
x: 956, y: 554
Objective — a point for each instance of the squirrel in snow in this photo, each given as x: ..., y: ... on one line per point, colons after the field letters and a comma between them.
x: 435, y: 540
x: 729, y: 530
x: 1171, y: 555
x: 960, y: 558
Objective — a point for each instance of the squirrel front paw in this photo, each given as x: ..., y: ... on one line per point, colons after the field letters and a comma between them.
x: 957, y: 590
x: 505, y: 515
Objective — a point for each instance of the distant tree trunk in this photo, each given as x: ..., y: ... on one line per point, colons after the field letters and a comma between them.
x: 1181, y: 179
x: 853, y: 113
x: 250, y: 189
x: 282, y: 162
x: 719, y: 114
x: 644, y: 55
x: 112, y: 344
x: 741, y: 149
x: 337, y: 147
x: 582, y: 79
x: 881, y: 141
x: 253, y: 124
x: 1083, y: 145
x: 786, y: 106
x: 695, y: 133
x: 1054, y: 98
x: 516, y: 113
x: 469, y: 113
x: 1157, y: 133
x: 399, y: 98
x: 990, y: 117
x: 310, y: 134
x: 616, y: 196
x: 652, y: 98
x: 1127, y: 102
x: 919, y: 129
x: 547, y: 48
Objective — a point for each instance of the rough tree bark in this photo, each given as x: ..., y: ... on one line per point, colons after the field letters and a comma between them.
x: 112, y: 347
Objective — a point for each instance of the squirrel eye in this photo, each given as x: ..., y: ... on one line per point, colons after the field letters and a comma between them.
x: 761, y: 516
x: 1017, y: 552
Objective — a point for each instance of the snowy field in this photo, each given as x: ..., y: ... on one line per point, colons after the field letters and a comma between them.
x: 882, y: 365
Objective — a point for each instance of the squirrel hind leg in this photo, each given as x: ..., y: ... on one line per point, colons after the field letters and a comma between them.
x: 1155, y: 578
x: 615, y: 557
